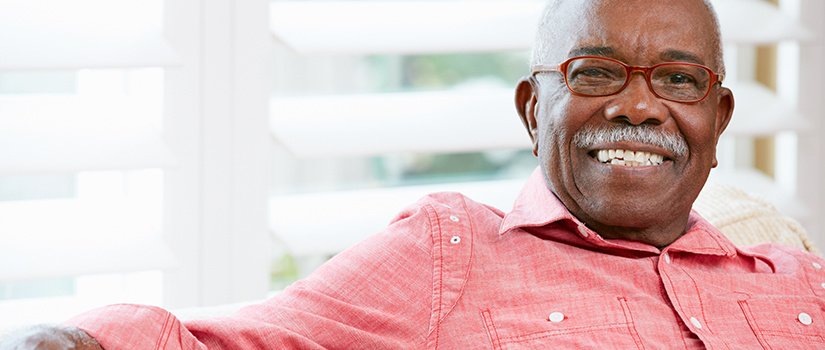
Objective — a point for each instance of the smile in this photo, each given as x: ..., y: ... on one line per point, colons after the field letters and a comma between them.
x: 627, y: 158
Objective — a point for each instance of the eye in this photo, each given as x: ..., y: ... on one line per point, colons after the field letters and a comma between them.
x: 593, y: 75
x: 680, y: 79
x: 678, y: 76
x: 592, y: 72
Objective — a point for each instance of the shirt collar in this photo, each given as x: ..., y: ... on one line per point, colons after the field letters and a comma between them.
x: 537, y: 206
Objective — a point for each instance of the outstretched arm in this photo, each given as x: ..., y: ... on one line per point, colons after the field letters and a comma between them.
x: 50, y: 338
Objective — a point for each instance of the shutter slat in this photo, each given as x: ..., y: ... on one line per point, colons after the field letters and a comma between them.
x: 53, y: 34
x: 396, y: 27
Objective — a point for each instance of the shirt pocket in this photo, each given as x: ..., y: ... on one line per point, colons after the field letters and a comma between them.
x: 568, y: 323
x: 786, y: 322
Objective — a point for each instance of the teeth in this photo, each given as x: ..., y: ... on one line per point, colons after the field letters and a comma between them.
x: 628, y: 158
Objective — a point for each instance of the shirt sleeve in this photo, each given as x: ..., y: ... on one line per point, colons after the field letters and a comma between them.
x: 377, y: 295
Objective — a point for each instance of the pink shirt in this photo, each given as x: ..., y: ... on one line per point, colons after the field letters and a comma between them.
x: 450, y: 273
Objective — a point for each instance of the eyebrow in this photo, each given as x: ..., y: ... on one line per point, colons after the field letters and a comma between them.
x: 592, y: 51
x: 680, y: 56
x: 606, y: 51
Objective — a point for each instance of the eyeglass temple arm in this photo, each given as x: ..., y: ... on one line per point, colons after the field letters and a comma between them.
x: 544, y: 68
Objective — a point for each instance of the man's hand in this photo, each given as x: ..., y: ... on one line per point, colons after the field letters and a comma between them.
x: 50, y: 338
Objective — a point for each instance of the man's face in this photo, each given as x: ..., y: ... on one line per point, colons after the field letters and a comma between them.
x: 645, y: 203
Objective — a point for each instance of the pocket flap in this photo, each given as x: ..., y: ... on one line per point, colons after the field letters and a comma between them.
x: 786, y: 320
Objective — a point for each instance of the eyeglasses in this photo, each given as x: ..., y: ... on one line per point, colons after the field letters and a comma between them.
x: 600, y: 76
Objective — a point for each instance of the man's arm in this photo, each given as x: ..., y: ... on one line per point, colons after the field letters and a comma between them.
x: 50, y: 338
x: 378, y: 294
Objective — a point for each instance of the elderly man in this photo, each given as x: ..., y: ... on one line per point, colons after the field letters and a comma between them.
x: 625, y: 107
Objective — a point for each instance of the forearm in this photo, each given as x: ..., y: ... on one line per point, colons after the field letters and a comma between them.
x: 50, y: 338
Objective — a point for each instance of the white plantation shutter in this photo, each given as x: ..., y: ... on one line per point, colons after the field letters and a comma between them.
x: 164, y: 137
x: 759, y: 111
x: 406, y: 27
x: 804, y: 88
x: 93, y: 129
x: 53, y: 34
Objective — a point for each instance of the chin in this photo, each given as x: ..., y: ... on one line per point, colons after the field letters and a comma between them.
x: 640, y: 213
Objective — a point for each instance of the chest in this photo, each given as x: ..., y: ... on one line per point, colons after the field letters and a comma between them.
x: 571, y: 297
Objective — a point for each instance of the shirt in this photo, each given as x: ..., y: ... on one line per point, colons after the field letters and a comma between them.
x: 450, y: 273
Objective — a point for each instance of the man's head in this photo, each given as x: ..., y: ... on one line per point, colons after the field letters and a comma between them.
x: 648, y: 203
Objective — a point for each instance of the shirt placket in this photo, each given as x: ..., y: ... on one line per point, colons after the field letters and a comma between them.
x: 684, y: 295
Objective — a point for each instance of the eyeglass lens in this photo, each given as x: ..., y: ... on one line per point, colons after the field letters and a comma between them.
x: 600, y: 77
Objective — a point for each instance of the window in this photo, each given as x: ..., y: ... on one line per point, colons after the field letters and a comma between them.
x: 81, y: 180
x: 221, y: 139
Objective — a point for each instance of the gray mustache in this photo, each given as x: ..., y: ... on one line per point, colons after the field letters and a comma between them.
x: 588, y: 137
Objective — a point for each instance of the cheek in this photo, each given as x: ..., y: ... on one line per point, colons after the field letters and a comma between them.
x: 556, y: 145
x: 699, y: 130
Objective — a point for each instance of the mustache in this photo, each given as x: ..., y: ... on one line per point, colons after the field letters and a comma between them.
x: 590, y: 136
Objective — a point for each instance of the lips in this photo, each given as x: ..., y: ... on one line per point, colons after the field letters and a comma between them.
x: 627, y: 157
x: 603, y: 144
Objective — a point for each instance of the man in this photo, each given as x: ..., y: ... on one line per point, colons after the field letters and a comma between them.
x: 624, y: 107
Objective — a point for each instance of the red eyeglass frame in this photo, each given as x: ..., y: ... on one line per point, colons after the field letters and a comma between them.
x: 646, y: 70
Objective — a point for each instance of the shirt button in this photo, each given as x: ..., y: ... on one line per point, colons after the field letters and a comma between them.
x: 695, y: 322
x: 455, y: 240
x: 454, y: 218
x: 805, y: 319
x: 556, y: 317
x: 667, y: 257
x: 818, y: 266
x: 823, y: 285
x: 583, y: 232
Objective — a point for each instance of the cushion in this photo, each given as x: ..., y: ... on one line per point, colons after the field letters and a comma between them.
x: 748, y: 219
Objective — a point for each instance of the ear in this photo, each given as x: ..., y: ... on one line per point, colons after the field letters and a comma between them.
x: 526, y: 102
x: 724, y: 112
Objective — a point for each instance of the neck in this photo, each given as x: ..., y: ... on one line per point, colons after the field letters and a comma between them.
x: 660, y: 236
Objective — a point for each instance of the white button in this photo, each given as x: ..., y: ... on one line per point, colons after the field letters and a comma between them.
x: 454, y: 218
x: 667, y: 257
x: 583, y: 231
x: 556, y: 317
x: 805, y: 319
x: 695, y: 322
x: 455, y: 240
x: 823, y: 285
x: 818, y: 266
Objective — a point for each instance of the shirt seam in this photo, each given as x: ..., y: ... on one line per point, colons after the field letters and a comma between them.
x: 435, y: 234
x: 746, y: 310
x: 165, y: 332
x: 439, y: 311
x: 699, y: 297
x: 675, y: 296
x: 631, y: 326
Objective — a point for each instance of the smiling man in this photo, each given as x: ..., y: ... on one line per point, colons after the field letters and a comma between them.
x: 591, y: 116
x: 624, y: 107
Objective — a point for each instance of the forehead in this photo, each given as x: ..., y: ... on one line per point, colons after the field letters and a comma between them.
x: 641, y: 31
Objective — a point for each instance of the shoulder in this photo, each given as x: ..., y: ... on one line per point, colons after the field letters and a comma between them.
x: 790, y: 259
x: 441, y: 205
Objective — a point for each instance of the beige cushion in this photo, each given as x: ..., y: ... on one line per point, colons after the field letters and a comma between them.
x: 748, y: 219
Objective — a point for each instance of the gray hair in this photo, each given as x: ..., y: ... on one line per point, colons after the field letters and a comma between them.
x: 550, y: 35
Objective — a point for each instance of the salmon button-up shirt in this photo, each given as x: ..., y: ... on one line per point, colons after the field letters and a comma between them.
x: 450, y: 273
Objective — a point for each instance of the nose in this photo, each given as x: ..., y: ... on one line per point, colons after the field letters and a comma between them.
x: 636, y: 104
